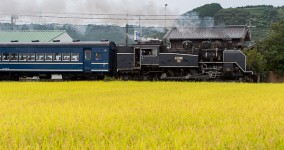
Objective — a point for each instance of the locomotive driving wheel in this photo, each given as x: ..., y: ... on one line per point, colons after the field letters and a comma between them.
x: 163, y: 76
x: 212, y: 74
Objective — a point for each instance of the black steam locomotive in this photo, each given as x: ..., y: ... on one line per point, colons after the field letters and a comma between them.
x: 155, y: 60
x: 195, y: 53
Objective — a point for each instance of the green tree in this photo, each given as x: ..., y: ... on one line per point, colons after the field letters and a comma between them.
x: 256, y: 62
x: 232, y: 16
x: 208, y: 10
x: 273, y: 48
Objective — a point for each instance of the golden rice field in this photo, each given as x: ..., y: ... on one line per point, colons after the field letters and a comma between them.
x: 141, y: 115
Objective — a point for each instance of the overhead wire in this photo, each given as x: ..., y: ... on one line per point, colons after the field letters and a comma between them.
x: 107, y: 18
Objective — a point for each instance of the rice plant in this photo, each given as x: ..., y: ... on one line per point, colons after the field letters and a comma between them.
x: 141, y: 115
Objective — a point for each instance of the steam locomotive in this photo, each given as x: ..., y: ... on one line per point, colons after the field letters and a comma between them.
x: 155, y: 60
x: 148, y: 60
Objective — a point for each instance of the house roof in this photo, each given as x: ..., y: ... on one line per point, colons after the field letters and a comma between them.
x: 29, y: 35
x: 218, y: 32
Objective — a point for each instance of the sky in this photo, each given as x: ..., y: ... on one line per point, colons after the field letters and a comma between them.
x: 68, y: 11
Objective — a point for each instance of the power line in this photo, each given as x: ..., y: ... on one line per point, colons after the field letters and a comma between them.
x: 99, y: 14
x: 106, y: 18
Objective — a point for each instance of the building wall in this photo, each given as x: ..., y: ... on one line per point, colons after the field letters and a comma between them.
x: 30, y: 35
x: 64, y: 38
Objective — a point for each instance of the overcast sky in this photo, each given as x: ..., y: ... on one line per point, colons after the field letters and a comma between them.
x: 141, y: 6
x: 62, y: 11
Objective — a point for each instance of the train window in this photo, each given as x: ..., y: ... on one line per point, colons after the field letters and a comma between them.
x: 150, y: 52
x: 57, y: 56
x: 0, y: 56
x: 14, y: 57
x: 6, y: 56
x: 74, y: 56
x: 39, y: 56
x: 87, y: 54
x: 66, y: 56
x: 48, y: 57
x: 98, y: 56
x: 31, y: 57
x: 23, y: 57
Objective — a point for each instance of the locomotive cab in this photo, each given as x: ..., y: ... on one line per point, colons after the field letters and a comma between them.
x: 149, y: 55
x: 139, y: 60
x: 146, y: 53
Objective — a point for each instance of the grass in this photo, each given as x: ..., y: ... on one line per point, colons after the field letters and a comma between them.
x: 141, y: 115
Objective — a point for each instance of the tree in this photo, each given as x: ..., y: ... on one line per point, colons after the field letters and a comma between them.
x: 256, y: 62
x: 208, y: 10
x: 273, y: 48
x: 232, y: 16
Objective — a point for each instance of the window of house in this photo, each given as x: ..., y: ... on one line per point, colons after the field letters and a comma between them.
x: 48, y: 56
x: 6, y: 56
x: 66, y: 56
x: 57, y: 56
x: 23, y: 57
x: 39, y: 56
x: 169, y: 45
x: 98, y: 56
x: 31, y: 57
x: 74, y: 56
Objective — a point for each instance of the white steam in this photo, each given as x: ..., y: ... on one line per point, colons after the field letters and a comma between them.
x: 192, y: 19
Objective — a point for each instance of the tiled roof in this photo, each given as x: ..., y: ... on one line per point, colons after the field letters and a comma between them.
x: 29, y: 35
x: 220, y: 32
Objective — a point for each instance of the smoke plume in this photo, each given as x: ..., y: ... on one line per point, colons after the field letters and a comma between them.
x: 192, y: 19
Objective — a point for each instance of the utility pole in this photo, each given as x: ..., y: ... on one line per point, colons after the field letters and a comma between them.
x: 126, y: 31
x: 13, y: 21
x: 166, y: 18
x: 250, y: 26
x: 139, y: 20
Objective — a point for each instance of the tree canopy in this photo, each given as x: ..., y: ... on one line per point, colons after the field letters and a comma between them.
x: 232, y: 16
x: 208, y: 10
x: 256, y: 62
x: 273, y: 48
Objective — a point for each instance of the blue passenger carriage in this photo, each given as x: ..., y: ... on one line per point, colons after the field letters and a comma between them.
x: 73, y: 60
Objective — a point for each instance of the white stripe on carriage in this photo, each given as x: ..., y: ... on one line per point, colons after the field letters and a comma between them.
x: 99, y: 63
x: 19, y: 63
x: 101, y: 70
x: 57, y: 70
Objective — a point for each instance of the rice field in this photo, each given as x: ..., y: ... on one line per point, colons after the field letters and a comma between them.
x: 141, y: 115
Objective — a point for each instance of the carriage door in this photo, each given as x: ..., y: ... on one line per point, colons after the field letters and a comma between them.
x: 87, y: 59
